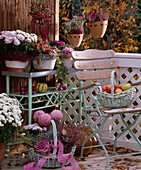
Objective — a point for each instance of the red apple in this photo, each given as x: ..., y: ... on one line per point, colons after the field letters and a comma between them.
x: 118, y: 90
x: 103, y: 88
x: 105, y: 91
x: 117, y: 86
x: 108, y: 88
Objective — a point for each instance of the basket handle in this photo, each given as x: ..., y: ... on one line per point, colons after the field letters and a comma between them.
x: 113, y: 80
x: 54, y: 137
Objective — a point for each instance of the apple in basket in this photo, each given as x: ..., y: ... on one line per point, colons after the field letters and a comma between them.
x: 118, y: 90
x: 108, y: 88
x: 126, y: 86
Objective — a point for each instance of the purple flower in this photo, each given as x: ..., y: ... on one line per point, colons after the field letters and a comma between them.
x: 59, y: 42
x: 67, y: 50
x: 92, y: 16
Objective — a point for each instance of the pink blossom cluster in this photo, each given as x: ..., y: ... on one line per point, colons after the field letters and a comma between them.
x: 94, y: 16
x: 67, y: 51
x: 42, y: 47
x: 59, y: 42
x: 17, y: 37
x: 41, y: 13
x: 34, y: 126
x: 17, y: 42
x: 44, y: 119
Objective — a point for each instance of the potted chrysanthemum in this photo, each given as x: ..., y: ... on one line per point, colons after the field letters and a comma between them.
x: 66, y: 57
x: 10, y: 120
x: 17, y: 49
x: 74, y: 30
x: 97, y: 23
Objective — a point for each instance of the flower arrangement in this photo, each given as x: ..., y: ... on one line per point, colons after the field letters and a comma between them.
x: 74, y: 26
x: 10, y: 118
x: 43, y: 51
x: 66, y: 51
x: 41, y: 13
x: 17, y: 45
x: 94, y: 16
x: 38, y: 137
x: 34, y: 132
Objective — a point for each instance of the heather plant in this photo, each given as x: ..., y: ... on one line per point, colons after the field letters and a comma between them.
x: 70, y: 134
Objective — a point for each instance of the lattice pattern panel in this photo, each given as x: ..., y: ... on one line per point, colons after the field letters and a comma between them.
x: 71, y: 110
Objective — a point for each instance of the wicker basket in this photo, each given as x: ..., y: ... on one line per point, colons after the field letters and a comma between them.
x: 52, y: 161
x: 117, y: 100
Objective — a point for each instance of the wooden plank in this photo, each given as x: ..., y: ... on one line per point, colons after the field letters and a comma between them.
x: 128, y: 62
x: 94, y: 64
x: 92, y: 54
x: 90, y: 75
x: 128, y: 55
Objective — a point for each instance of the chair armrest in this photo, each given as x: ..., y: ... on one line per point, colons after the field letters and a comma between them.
x: 88, y: 86
x: 135, y: 84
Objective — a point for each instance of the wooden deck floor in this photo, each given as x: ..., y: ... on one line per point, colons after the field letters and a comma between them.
x: 94, y: 161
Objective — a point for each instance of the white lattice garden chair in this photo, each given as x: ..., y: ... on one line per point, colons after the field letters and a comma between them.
x: 99, y: 66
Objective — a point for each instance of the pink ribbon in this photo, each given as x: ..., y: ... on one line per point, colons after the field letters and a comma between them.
x: 61, y: 158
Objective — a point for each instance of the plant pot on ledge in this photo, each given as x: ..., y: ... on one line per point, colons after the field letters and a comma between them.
x: 97, y: 29
x: 44, y: 63
x: 16, y: 62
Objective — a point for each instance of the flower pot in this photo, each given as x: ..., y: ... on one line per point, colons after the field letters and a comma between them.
x: 97, y: 29
x: 67, y: 61
x: 45, y: 65
x: 17, y: 66
x: 75, y: 39
x: 2, y: 152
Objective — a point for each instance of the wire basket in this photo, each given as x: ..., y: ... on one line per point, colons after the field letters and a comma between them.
x: 115, y: 100
x: 52, y: 161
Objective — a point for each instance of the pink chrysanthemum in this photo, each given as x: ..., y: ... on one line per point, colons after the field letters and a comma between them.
x: 44, y: 120
x: 37, y: 114
x: 56, y: 115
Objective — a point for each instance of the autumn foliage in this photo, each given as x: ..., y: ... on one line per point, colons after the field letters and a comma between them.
x: 123, y: 30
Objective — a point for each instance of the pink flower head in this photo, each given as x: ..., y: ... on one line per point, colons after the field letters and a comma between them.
x: 16, y: 41
x: 92, y: 16
x: 59, y: 42
x: 56, y: 115
x: 37, y: 115
x: 44, y: 120
x: 28, y: 40
x: 20, y: 37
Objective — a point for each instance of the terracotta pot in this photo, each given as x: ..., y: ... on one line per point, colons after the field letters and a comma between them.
x: 2, y: 152
x: 97, y: 29
x: 17, y: 66
x: 46, y: 65
x: 91, y: 142
x: 75, y: 39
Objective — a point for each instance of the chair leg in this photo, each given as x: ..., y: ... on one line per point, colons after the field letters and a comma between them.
x: 127, y: 128
x: 101, y: 144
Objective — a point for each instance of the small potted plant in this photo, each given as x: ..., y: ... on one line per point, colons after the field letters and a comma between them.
x: 45, y: 56
x: 97, y: 23
x: 18, y: 47
x: 66, y: 57
x: 74, y: 30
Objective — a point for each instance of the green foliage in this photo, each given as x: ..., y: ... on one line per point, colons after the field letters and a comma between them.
x: 7, y: 132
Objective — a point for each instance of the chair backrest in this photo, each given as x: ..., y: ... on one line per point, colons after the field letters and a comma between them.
x: 94, y: 64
